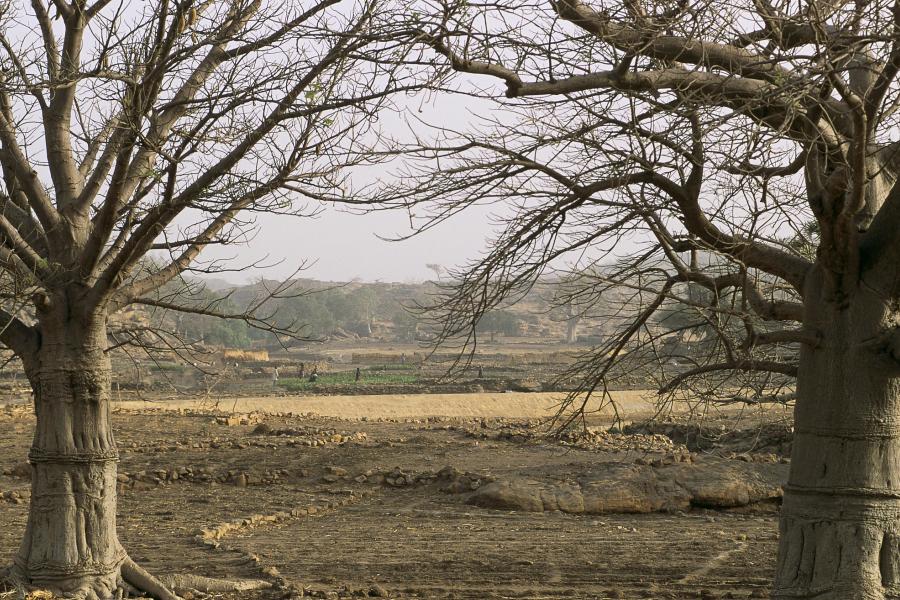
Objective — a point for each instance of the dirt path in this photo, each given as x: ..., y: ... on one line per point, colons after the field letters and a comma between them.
x: 509, y: 404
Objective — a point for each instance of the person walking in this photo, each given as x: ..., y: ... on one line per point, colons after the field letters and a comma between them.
x: 275, y: 377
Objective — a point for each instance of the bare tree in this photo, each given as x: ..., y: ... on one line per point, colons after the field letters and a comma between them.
x: 749, y: 148
x: 436, y: 268
x: 161, y: 128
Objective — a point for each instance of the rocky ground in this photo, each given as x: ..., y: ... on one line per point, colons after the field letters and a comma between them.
x: 462, y: 507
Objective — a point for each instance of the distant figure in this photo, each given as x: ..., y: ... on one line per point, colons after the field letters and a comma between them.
x: 314, y: 377
x: 357, y: 374
x: 316, y: 370
x: 480, y: 372
x: 275, y: 377
x: 302, y: 368
x: 403, y: 359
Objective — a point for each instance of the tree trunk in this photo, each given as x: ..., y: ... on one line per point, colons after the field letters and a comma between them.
x: 840, y: 521
x: 70, y: 543
x: 572, y: 329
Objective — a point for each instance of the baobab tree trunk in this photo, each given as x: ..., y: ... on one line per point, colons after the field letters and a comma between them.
x: 70, y: 543
x: 840, y: 521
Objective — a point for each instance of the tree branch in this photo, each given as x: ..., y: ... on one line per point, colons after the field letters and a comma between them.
x: 767, y: 366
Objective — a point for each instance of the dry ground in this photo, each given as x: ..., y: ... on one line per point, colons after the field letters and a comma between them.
x: 635, y: 404
x: 404, y: 539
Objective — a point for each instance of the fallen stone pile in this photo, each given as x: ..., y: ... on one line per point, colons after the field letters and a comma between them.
x: 239, y: 419
x: 607, y: 441
x: 15, y: 496
x: 311, y: 434
x: 16, y: 410
x: 311, y: 437
x: 592, y: 438
x: 451, y: 479
x: 200, y: 475
x: 768, y: 438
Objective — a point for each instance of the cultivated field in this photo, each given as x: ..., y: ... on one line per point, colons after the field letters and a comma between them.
x: 389, y: 496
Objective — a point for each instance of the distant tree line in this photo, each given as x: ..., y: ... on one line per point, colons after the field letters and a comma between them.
x: 380, y: 310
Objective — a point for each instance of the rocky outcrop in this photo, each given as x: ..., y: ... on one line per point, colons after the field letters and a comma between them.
x: 633, y: 488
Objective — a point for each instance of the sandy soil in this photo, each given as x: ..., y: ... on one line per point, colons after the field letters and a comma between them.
x: 508, y: 404
x: 368, y: 537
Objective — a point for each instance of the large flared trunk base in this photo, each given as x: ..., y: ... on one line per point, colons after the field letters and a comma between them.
x: 107, y: 586
x: 838, y: 547
x: 70, y: 544
x: 840, y: 520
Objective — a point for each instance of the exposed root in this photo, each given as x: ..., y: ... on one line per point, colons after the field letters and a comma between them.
x: 136, y: 580
x: 209, y: 585
x: 12, y: 586
x: 135, y: 575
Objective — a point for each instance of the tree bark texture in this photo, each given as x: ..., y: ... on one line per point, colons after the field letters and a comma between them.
x: 840, y: 521
x: 70, y: 543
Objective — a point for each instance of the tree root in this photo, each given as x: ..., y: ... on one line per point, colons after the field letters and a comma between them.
x: 11, y: 584
x: 167, y: 587
x: 209, y: 585
x: 137, y: 576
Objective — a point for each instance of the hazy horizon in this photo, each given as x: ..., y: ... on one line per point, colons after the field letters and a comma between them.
x: 338, y: 246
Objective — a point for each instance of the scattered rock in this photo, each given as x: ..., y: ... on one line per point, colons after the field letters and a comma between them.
x: 239, y: 419
x: 755, y: 444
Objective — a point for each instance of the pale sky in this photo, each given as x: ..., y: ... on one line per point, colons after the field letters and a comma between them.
x: 346, y: 246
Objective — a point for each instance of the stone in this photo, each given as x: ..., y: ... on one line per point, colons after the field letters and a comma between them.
x: 262, y: 429
x: 271, y: 572
x: 459, y: 485
x: 630, y: 488
x: 449, y: 472
x: 22, y: 470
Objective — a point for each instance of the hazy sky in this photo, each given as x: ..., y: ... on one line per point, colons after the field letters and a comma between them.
x: 344, y: 246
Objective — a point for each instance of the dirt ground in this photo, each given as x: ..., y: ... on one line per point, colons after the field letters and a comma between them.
x: 635, y: 404
x: 346, y: 503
